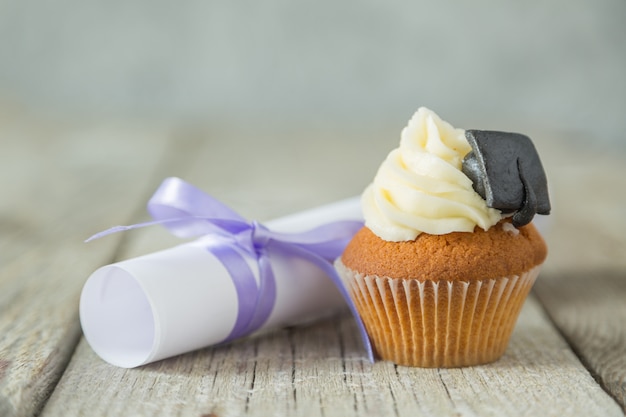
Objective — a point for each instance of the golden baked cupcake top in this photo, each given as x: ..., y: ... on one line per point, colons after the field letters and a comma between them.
x: 501, y: 251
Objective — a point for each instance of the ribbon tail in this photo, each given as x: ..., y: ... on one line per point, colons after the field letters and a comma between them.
x: 183, y: 227
x: 116, y: 229
x: 327, y: 240
x: 330, y: 271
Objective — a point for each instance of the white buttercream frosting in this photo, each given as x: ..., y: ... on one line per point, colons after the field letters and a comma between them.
x: 420, y: 186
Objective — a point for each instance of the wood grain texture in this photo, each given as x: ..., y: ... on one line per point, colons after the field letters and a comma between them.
x: 583, y: 287
x: 320, y: 370
x: 59, y: 185
x: 589, y: 307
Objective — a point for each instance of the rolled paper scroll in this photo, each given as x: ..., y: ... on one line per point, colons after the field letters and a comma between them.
x: 236, y: 279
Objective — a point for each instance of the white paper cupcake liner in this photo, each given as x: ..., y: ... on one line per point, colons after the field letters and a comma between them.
x: 438, y: 323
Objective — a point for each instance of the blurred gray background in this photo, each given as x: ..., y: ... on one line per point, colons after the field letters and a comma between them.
x: 490, y: 64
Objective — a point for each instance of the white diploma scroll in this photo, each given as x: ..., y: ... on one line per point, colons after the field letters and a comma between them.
x: 163, y: 304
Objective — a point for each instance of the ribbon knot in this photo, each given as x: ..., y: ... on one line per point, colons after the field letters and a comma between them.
x: 187, y: 211
x: 259, y: 235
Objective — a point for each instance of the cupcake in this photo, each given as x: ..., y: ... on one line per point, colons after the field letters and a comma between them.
x: 448, y: 253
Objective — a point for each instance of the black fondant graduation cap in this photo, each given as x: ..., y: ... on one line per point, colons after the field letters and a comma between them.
x: 506, y: 172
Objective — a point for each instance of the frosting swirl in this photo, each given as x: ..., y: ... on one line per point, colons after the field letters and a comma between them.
x: 420, y: 186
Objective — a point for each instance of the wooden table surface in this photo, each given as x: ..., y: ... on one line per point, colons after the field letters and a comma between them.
x: 60, y: 183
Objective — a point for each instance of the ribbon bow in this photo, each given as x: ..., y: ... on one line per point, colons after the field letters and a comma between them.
x: 187, y: 212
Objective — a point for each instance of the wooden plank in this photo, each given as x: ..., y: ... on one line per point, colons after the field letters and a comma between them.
x: 584, y: 286
x: 59, y: 184
x: 589, y: 308
x: 319, y: 370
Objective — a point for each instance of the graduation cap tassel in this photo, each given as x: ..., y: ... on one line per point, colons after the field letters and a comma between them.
x: 525, y: 214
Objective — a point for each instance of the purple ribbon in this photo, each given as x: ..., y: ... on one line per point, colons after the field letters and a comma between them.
x: 187, y: 212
